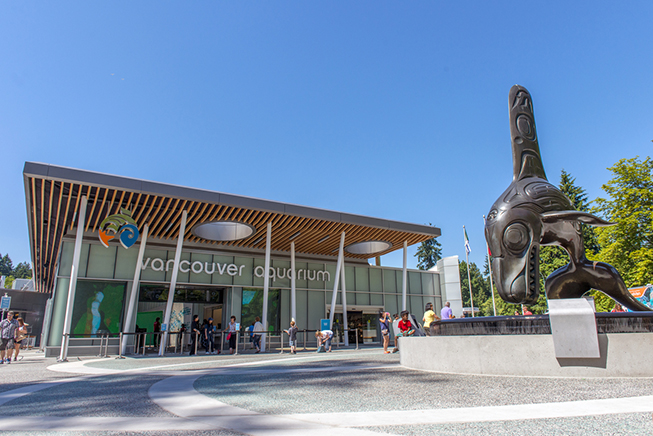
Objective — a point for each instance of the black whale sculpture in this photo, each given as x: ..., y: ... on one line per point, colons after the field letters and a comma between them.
x: 533, y: 212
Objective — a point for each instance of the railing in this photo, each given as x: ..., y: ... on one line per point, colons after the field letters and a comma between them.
x: 176, y: 342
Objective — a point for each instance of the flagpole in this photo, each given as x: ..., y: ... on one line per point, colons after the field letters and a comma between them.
x: 489, y: 263
x: 469, y: 277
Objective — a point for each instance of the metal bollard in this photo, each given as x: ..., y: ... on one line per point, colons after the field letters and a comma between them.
x: 304, y: 339
x: 237, y: 337
x: 144, y: 335
x: 281, y: 342
x: 106, y: 347
x: 356, y: 331
x: 197, y: 336
x: 120, y: 347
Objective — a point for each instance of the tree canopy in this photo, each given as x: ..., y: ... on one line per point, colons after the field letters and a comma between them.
x: 428, y: 253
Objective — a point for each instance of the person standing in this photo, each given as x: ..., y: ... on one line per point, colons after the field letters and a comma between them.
x: 446, y: 312
x: 384, y: 323
x: 157, y: 331
x: 194, y: 331
x: 8, y: 328
x: 429, y: 317
x: 232, y: 328
x: 258, y: 329
x: 292, y: 337
x: 19, y: 336
x: 207, y: 332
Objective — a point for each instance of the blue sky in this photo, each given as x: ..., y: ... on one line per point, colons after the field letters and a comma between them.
x: 396, y: 110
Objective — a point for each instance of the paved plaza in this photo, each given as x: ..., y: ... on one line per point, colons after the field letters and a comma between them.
x: 346, y: 392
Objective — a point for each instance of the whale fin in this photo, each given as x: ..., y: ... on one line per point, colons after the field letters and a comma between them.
x: 574, y: 215
x: 526, y: 158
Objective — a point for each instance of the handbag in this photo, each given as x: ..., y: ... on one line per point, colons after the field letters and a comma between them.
x: 229, y: 336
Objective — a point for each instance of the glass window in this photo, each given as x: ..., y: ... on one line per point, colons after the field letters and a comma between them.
x: 281, y: 273
x: 414, y: 283
x: 66, y: 260
x: 389, y: 283
x: 154, y: 265
x: 427, y: 284
x: 58, y: 311
x: 221, y: 275
x: 376, y: 280
x: 98, y: 308
x: 252, y: 306
x: 362, y: 279
x: 302, y: 310
x: 362, y: 298
x: 126, y: 263
x: 391, y: 303
x: 101, y: 261
x: 350, y: 278
x: 376, y: 299
x: 199, y: 263
x: 315, y: 276
x: 316, y: 309
x: 244, y: 279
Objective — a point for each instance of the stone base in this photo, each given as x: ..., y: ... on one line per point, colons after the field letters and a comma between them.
x: 622, y: 355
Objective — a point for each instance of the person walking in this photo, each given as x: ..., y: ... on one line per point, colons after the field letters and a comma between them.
x: 8, y: 328
x: 258, y: 329
x: 19, y: 336
x: 194, y: 331
x: 384, y: 323
x: 292, y: 337
x: 429, y: 317
x: 232, y: 328
x: 446, y: 312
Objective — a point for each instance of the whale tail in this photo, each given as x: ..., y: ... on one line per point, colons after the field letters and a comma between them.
x: 574, y: 279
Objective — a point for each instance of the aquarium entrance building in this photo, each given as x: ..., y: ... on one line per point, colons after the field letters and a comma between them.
x: 116, y: 253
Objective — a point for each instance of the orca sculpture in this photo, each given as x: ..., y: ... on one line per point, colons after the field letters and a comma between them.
x: 533, y: 212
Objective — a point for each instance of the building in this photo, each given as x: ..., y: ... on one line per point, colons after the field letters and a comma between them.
x: 110, y: 248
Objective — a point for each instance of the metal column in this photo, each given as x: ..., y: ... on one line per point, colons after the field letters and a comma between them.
x: 343, y: 287
x: 133, y: 297
x: 173, y: 282
x: 72, y: 287
x: 335, y: 281
x: 266, y: 285
x: 404, y: 277
x: 293, y: 278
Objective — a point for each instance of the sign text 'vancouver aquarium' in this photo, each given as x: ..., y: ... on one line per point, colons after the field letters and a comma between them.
x: 232, y: 269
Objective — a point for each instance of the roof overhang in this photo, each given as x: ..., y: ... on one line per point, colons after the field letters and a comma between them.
x: 53, y: 195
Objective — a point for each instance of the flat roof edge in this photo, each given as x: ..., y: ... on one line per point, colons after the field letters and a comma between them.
x: 66, y: 174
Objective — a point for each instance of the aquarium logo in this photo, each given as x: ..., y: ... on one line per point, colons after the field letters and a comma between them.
x: 120, y: 225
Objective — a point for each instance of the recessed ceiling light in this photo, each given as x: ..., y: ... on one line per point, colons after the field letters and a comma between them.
x: 223, y: 231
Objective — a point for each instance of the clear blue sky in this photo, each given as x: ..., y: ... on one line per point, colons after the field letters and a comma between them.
x: 392, y: 109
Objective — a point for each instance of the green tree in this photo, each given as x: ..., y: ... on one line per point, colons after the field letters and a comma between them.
x: 6, y: 265
x: 628, y: 245
x: 428, y: 253
x: 23, y: 271
x: 9, y: 280
x: 480, y: 287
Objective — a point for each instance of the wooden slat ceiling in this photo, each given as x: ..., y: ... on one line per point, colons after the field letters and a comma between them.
x: 54, y: 206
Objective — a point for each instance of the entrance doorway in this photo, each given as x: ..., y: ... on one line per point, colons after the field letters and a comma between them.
x: 361, y: 321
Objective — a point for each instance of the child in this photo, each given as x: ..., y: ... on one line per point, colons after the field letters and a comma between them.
x: 405, y: 328
x: 292, y: 337
x: 384, y: 322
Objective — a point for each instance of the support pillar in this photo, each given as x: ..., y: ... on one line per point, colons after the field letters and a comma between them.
x: 173, y: 283
x: 133, y: 297
x: 266, y: 284
x: 343, y: 287
x: 404, y: 287
x: 335, y: 281
x: 293, y: 284
x: 72, y: 286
